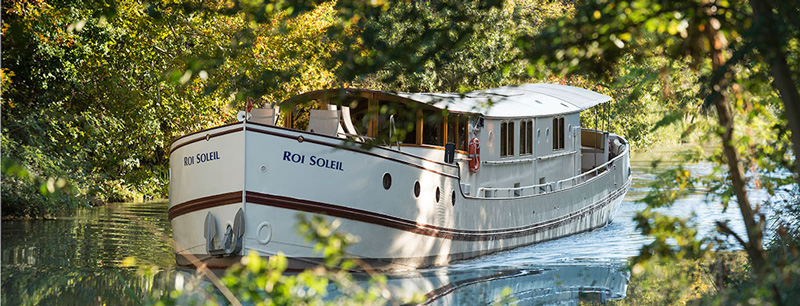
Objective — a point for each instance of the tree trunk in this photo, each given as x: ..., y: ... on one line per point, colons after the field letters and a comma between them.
x: 719, y: 97
x: 773, y: 49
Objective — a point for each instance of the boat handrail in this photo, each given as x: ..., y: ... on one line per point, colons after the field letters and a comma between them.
x: 509, y: 161
x: 526, y: 160
x: 556, y: 155
x: 595, y: 172
x: 543, y: 188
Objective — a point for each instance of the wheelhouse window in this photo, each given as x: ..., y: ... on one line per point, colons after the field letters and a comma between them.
x: 462, y: 137
x: 432, y: 128
x: 526, y: 137
x: 457, y: 130
x: 558, y: 133
x: 359, y: 113
x: 404, y: 128
x: 506, y: 138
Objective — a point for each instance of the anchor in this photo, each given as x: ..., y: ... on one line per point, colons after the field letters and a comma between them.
x: 231, y: 242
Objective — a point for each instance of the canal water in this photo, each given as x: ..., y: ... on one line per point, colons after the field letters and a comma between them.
x: 86, y: 257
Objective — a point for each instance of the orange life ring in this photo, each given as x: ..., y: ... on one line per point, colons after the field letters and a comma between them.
x: 474, y: 155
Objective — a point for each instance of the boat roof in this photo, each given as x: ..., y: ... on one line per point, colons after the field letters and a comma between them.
x: 514, y: 101
x: 526, y: 100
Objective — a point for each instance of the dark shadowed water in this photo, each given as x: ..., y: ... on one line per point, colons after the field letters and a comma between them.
x: 85, y: 257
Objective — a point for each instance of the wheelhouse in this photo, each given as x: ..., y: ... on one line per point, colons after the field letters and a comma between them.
x: 389, y: 118
x: 529, y: 136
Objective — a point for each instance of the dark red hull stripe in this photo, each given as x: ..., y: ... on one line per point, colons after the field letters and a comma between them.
x: 204, y: 203
x: 425, y: 229
x: 387, y: 220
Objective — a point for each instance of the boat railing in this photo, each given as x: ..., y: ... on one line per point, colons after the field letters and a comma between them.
x: 512, y: 192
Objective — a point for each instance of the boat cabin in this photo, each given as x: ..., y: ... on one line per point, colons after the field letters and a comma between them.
x: 512, y: 141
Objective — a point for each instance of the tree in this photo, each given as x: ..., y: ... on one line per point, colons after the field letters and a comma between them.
x: 743, y: 52
x: 94, y: 92
x: 485, y: 57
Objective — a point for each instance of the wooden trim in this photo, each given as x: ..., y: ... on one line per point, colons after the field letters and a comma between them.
x: 420, y: 125
x: 427, y: 146
x: 251, y: 129
x: 171, y: 143
x: 208, y: 137
x: 458, y: 131
x: 338, y: 139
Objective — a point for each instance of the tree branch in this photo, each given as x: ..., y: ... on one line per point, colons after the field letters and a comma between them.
x: 727, y: 230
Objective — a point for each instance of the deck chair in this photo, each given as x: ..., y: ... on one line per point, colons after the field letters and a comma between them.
x: 323, y: 121
x: 350, y: 130
x: 339, y: 130
x: 268, y: 116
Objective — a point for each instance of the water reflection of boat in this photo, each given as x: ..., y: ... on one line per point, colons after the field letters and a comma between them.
x: 449, y: 178
x: 546, y: 285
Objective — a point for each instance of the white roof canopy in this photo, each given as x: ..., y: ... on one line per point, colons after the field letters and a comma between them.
x: 526, y: 100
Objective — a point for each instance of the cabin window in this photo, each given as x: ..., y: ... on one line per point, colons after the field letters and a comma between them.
x: 432, y: 128
x: 405, y: 130
x: 558, y: 133
x: 462, y: 137
x: 457, y: 130
x: 359, y: 113
x: 506, y: 138
x: 526, y: 137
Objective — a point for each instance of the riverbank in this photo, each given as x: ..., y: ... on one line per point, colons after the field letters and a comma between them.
x: 720, y: 278
x: 684, y: 281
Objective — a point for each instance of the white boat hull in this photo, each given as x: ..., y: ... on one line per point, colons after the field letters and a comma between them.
x: 273, y: 173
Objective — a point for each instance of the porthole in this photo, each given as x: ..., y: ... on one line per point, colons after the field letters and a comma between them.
x: 264, y: 232
x: 416, y: 189
x: 453, y: 198
x: 437, y: 194
x: 387, y: 181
